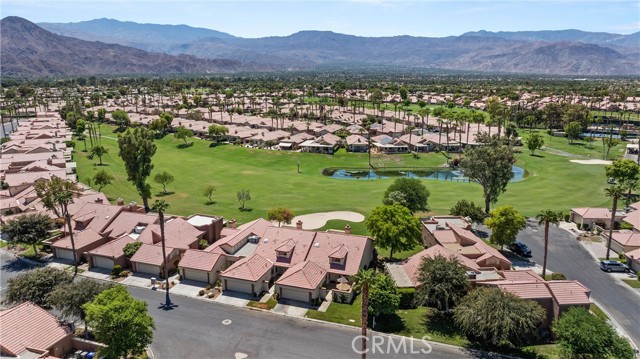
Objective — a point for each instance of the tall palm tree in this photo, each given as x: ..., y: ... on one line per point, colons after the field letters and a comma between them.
x: 614, y: 192
x: 160, y: 207
x: 363, y: 280
x: 547, y: 217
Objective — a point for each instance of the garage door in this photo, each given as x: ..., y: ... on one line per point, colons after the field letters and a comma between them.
x: 239, y: 286
x: 147, y: 268
x: 64, y: 254
x: 295, y: 294
x: 102, y: 262
x: 195, y: 274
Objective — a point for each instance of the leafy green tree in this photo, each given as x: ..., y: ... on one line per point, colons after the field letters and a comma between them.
x: 217, y: 131
x: 243, y: 196
x: 102, y: 179
x: 163, y: 178
x: 573, y: 131
x: 384, y: 298
x: 183, y: 133
x: 121, y: 119
x: 34, y: 286
x: 534, y: 142
x: 28, y: 229
x: 131, y: 248
x: 99, y: 151
x: 404, y: 94
x: 121, y: 322
x: 160, y: 207
x: 626, y: 173
x: 581, y: 334
x: 414, y: 193
x: 494, y: 318
x: 394, y: 228
x: 158, y: 125
x: 101, y: 114
x: 608, y: 143
x: 468, y: 209
x: 81, y: 126
x: 547, y: 217
x: 442, y: 282
x: 363, y: 280
x: 490, y: 166
x: 69, y: 298
x: 280, y: 215
x: 56, y: 195
x: 208, y: 192
x: 136, y: 149
x: 505, y: 223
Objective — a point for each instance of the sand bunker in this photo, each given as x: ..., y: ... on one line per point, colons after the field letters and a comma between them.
x: 592, y: 162
x: 318, y: 220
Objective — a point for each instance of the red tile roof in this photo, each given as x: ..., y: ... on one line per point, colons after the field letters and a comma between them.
x: 569, y: 292
x: 520, y: 275
x: 113, y: 249
x: 526, y: 290
x: 593, y: 213
x: 306, y: 275
x: 178, y: 233
x: 151, y: 254
x: 281, y: 239
x: 81, y: 239
x: 248, y: 268
x: 412, y: 265
x: 200, y: 260
x: 626, y: 237
x: 29, y: 326
x: 126, y: 221
x: 327, y: 242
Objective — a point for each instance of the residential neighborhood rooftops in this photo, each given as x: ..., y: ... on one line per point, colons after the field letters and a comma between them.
x: 593, y: 213
x: 525, y: 290
x: 81, y: 239
x: 326, y: 243
x: 200, y: 260
x: 27, y: 326
x: 568, y: 292
x: 306, y: 275
x: 627, y: 237
x: 249, y: 268
x: 113, y: 249
x: 150, y: 254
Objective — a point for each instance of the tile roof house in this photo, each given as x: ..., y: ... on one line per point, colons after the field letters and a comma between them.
x: 341, y: 254
x: 29, y: 331
x: 202, y: 266
x: 178, y: 234
x: 85, y: 241
x: 248, y: 275
x: 633, y: 259
x: 587, y: 217
x: 110, y: 254
x: 301, y: 282
x: 148, y: 259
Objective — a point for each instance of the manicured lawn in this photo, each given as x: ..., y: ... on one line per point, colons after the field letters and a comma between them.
x: 356, y: 227
x: 270, y: 304
x: 553, y: 182
x: 420, y: 322
x: 633, y: 283
x: 384, y: 253
x: 598, y: 312
x: 348, y: 314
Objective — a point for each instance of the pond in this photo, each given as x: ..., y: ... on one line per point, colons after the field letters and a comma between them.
x: 440, y: 174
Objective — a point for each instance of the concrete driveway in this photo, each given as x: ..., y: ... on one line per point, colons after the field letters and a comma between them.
x: 189, y: 287
x: 236, y: 299
x: 97, y: 273
x: 293, y: 307
x: 142, y: 280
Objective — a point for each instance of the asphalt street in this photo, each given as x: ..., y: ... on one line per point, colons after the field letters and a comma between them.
x: 200, y: 329
x: 568, y: 256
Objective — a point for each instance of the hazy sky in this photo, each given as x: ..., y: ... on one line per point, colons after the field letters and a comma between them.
x: 357, y: 17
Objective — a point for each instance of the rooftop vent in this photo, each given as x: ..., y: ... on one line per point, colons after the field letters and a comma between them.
x: 266, y: 240
x: 139, y: 229
x: 253, y: 238
x: 316, y: 244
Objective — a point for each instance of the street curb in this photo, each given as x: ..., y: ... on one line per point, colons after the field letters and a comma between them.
x: 617, y: 326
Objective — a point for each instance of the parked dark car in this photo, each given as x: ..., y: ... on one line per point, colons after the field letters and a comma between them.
x: 613, y: 266
x: 520, y: 248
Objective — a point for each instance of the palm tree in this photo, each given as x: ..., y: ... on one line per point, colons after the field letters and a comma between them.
x: 547, y: 217
x: 160, y: 207
x: 363, y: 280
x: 614, y: 192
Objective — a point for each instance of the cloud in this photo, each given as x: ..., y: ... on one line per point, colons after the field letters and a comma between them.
x: 630, y: 27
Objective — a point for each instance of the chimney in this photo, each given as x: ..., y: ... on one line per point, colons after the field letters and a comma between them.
x: 299, y: 224
x: 120, y: 201
x: 232, y: 223
x: 347, y: 229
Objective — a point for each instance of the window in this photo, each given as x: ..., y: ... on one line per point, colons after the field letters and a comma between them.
x: 336, y: 260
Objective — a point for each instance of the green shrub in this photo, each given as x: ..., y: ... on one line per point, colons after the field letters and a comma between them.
x: 115, y: 272
x: 558, y: 276
x: 201, y: 292
x: 407, y: 297
x: 566, y: 217
x: 625, y: 225
x: 131, y: 248
x: 124, y: 274
x: 203, y: 243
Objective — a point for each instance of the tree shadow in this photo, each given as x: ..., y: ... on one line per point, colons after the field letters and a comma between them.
x: 101, y: 165
x: 389, y: 323
x: 245, y: 209
x: 209, y: 203
x: 185, y: 145
x: 537, y: 155
x: 164, y: 194
x: 440, y: 323
x: 18, y: 265
x: 172, y: 306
